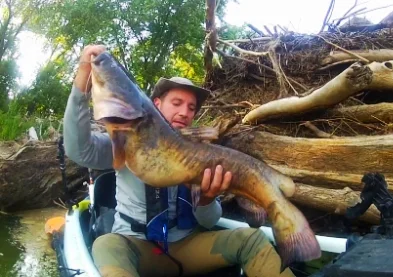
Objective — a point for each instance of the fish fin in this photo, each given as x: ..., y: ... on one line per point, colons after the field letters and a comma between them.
x: 255, y: 215
x: 300, y: 246
x: 200, y: 133
x: 287, y: 186
x: 195, y: 195
x: 118, y: 150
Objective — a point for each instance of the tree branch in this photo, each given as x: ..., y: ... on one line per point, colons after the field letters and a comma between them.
x: 328, y: 15
x: 242, y: 51
x: 345, y: 50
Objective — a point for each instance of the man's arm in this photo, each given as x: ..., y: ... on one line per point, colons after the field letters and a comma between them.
x: 208, y: 215
x: 86, y: 148
x: 93, y: 150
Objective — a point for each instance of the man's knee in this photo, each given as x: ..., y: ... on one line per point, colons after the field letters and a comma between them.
x: 115, y: 251
x: 108, y: 243
x: 240, y: 245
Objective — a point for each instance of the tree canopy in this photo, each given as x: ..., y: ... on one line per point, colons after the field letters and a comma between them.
x: 152, y: 39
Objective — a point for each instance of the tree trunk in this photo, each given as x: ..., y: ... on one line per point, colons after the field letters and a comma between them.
x: 334, y: 163
x: 211, y: 38
x: 31, y: 176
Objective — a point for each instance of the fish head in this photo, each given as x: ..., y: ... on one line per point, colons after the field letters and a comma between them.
x: 115, y: 95
x: 118, y: 102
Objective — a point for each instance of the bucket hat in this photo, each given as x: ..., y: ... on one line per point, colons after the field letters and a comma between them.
x: 163, y: 85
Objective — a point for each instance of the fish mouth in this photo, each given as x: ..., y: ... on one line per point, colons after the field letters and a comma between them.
x: 114, y: 110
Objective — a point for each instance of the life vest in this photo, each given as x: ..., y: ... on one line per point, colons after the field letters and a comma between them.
x: 157, y: 219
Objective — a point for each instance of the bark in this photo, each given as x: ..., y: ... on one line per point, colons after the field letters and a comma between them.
x: 333, y: 201
x: 334, y: 163
x: 380, y: 55
x: 356, y: 78
x: 374, y: 113
x: 30, y: 176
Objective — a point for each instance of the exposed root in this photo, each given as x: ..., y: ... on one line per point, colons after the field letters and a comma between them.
x: 319, y: 133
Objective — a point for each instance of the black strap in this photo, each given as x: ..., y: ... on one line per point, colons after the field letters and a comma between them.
x: 135, y: 225
x: 61, y: 157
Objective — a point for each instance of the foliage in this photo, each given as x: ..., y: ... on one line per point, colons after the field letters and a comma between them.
x: 150, y: 37
x: 11, y: 126
x: 228, y: 31
x: 15, y: 126
x: 48, y: 93
x: 8, y: 75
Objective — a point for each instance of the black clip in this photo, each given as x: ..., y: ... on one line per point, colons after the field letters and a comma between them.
x: 375, y: 191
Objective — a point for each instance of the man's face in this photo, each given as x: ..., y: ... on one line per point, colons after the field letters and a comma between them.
x: 178, y: 107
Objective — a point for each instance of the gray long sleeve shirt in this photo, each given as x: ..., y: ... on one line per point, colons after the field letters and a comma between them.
x: 94, y: 150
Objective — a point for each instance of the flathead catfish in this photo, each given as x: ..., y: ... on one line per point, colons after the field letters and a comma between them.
x: 161, y: 156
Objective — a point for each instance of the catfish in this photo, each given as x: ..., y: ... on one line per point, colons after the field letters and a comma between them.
x: 160, y: 156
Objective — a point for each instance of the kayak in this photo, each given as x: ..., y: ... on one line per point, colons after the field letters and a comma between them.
x: 73, y: 245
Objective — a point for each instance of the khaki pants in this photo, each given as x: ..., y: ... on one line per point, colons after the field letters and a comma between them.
x: 199, y: 253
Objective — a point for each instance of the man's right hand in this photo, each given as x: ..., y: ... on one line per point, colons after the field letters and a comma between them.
x: 82, y: 81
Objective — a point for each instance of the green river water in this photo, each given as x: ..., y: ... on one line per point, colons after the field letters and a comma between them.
x: 24, y: 247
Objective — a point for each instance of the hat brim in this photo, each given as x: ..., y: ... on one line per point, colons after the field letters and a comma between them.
x: 163, y: 85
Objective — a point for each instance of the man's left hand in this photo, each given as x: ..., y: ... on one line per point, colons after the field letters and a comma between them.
x: 210, y: 189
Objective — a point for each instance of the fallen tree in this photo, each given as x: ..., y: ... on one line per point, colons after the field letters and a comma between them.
x: 31, y: 177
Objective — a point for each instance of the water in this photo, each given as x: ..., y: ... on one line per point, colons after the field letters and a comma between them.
x: 25, y: 249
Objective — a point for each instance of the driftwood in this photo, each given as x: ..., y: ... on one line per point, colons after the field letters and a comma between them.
x: 331, y: 163
x: 356, y: 78
x: 333, y: 201
x: 380, y: 55
x: 381, y: 112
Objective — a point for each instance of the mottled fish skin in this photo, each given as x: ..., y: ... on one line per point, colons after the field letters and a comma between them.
x: 160, y: 156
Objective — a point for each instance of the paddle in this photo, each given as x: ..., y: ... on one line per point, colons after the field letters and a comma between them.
x: 54, y: 224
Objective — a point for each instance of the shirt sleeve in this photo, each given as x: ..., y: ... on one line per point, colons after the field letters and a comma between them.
x: 208, y: 215
x: 81, y: 145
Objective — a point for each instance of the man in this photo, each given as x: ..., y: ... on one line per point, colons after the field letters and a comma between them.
x: 130, y: 250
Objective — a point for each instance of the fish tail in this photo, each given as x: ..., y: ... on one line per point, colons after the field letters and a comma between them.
x: 294, y: 238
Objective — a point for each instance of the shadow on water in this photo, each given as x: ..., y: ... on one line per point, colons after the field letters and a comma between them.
x: 24, y: 247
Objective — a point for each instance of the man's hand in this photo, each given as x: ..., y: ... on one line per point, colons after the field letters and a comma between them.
x: 82, y: 81
x: 210, y: 189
